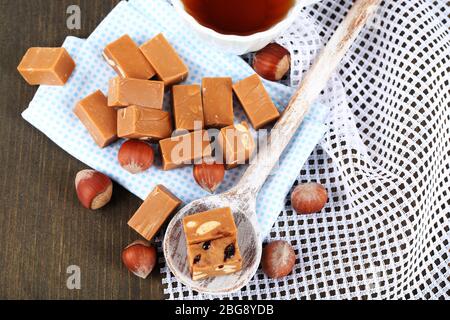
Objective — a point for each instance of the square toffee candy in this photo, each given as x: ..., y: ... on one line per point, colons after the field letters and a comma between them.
x: 143, y: 123
x: 154, y: 212
x: 46, y: 66
x: 237, y: 144
x: 212, y: 244
x: 177, y: 152
x: 209, y: 225
x: 124, y: 92
x: 256, y: 102
x: 165, y: 60
x: 99, y: 119
x: 124, y: 56
x: 218, y: 102
x: 188, y: 107
x: 214, y: 258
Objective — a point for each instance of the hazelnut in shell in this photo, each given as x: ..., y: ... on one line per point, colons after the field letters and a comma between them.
x: 309, y: 198
x: 272, y: 62
x: 94, y: 189
x: 209, y: 176
x: 136, y: 156
x: 140, y: 258
x: 278, y: 259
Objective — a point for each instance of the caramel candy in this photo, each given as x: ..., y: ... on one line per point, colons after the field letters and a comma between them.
x: 143, y: 123
x: 183, y: 150
x: 166, y: 62
x: 188, y: 107
x: 124, y: 56
x: 214, y: 258
x: 98, y: 118
x: 212, y: 244
x: 256, y: 102
x: 124, y: 92
x: 46, y: 66
x: 154, y: 212
x: 209, y: 225
x: 218, y: 102
x: 237, y: 144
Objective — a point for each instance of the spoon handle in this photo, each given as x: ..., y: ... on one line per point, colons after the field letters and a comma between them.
x: 312, y: 85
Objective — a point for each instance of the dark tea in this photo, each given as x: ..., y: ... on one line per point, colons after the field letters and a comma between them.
x: 238, y: 17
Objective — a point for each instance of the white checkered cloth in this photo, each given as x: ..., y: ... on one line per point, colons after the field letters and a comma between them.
x: 385, y: 161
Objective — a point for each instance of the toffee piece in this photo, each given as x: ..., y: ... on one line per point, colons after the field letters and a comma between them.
x: 237, y: 144
x: 124, y: 92
x: 99, y: 119
x: 180, y: 151
x: 212, y: 244
x: 46, y: 66
x: 214, y: 258
x: 165, y: 60
x: 124, y: 56
x: 154, y: 212
x: 209, y: 225
x: 218, y: 102
x: 256, y: 102
x: 188, y: 107
x: 143, y: 123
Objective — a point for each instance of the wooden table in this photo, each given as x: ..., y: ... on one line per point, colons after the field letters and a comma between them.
x: 43, y: 228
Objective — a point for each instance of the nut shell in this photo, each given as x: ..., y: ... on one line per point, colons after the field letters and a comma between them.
x: 140, y: 258
x: 136, y: 156
x: 94, y: 189
x: 309, y: 198
x: 272, y: 62
x: 278, y: 259
x: 209, y: 176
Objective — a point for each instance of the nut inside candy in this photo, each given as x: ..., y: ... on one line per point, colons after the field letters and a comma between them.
x: 191, y: 224
x: 207, y: 227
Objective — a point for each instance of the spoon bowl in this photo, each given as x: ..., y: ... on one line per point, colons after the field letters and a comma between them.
x: 248, y: 239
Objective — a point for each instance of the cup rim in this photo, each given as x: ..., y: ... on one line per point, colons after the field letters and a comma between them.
x: 277, y: 28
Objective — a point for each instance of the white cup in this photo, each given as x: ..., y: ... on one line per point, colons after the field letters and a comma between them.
x: 240, y: 45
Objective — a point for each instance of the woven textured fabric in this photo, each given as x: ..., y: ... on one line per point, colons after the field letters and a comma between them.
x: 385, y: 161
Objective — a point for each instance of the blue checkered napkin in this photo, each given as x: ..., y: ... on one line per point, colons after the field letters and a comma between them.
x: 51, y: 109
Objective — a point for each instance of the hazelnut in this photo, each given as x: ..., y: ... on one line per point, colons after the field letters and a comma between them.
x: 136, y: 156
x: 209, y: 176
x: 140, y: 258
x: 272, y: 62
x: 94, y: 189
x: 278, y: 259
x: 309, y: 198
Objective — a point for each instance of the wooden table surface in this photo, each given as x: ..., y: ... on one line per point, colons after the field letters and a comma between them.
x: 43, y: 228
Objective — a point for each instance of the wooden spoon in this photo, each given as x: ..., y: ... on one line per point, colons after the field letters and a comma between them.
x: 242, y: 198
